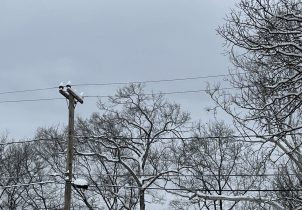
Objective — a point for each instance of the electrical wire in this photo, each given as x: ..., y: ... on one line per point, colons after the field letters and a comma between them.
x: 192, y: 175
x: 192, y: 137
x: 160, y: 188
x: 30, y: 100
x: 28, y: 141
x: 120, y: 83
x: 107, y: 96
x: 171, y: 175
x: 99, y: 137
x: 163, y: 138
x: 153, y: 81
x: 163, y: 93
x: 27, y: 90
x: 198, y: 189
x: 19, y: 177
x: 27, y: 184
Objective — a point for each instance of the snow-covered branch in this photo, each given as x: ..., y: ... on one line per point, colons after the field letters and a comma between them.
x: 271, y: 202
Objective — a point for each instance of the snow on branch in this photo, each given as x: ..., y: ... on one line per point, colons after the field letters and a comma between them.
x: 239, y: 198
x: 27, y: 184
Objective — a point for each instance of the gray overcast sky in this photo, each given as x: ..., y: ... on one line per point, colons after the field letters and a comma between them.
x: 97, y: 41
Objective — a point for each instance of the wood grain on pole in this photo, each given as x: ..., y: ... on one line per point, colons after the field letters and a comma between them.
x: 68, y: 176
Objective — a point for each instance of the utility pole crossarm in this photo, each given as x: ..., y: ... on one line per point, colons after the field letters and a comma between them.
x: 78, y: 98
x: 64, y: 93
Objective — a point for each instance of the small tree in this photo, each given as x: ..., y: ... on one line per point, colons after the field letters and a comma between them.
x: 218, y: 164
x: 23, y: 178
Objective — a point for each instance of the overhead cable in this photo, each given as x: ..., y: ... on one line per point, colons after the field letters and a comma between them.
x: 107, y: 96
x: 190, y: 189
x: 119, y: 83
x: 163, y: 138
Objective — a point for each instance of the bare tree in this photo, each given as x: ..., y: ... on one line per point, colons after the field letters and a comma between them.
x: 104, y: 190
x: 135, y: 131
x: 218, y: 164
x: 51, y: 149
x: 265, y: 43
x: 23, y: 182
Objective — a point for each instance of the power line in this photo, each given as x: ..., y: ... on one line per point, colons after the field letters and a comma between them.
x: 163, y: 138
x: 30, y: 100
x: 34, y: 176
x: 104, y: 138
x: 164, y: 93
x: 166, y: 175
x: 149, y: 175
x: 119, y: 83
x: 28, y: 141
x: 243, y: 137
x: 153, y: 81
x: 198, y: 189
x: 107, y: 96
x: 160, y: 188
x: 27, y: 90
x: 27, y: 184
x: 192, y: 175
x: 192, y: 137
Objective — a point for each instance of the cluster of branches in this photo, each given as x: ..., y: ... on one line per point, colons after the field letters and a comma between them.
x: 264, y: 39
x: 22, y: 184
x: 136, y: 145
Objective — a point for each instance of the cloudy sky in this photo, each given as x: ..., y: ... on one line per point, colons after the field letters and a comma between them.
x: 97, y: 41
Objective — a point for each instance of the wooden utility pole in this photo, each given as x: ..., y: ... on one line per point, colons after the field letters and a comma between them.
x: 73, y: 98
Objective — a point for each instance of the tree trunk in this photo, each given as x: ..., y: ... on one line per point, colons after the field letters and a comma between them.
x: 141, y: 199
